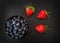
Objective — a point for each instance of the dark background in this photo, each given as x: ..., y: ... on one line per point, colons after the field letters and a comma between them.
x: 10, y: 8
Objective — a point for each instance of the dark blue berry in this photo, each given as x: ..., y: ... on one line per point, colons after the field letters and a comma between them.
x: 16, y: 27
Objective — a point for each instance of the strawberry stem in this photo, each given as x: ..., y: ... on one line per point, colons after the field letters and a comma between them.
x: 49, y: 12
x: 30, y: 4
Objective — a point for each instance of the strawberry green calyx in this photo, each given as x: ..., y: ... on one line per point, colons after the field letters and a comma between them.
x: 47, y: 13
x: 46, y: 27
x: 33, y: 9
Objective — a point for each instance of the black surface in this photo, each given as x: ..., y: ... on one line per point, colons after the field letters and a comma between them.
x: 10, y: 8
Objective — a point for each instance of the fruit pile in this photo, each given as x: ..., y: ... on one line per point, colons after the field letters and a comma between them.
x: 42, y: 14
x: 16, y: 27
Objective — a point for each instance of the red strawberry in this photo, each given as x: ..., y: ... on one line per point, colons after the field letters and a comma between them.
x: 42, y: 14
x: 29, y: 10
x: 40, y: 28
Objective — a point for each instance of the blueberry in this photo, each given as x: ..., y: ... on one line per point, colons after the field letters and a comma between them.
x: 16, y: 27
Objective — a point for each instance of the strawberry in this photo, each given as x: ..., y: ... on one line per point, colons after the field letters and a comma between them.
x: 29, y: 10
x: 40, y: 28
x: 42, y: 14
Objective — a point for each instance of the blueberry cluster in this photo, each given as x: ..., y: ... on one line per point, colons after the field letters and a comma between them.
x: 16, y: 27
